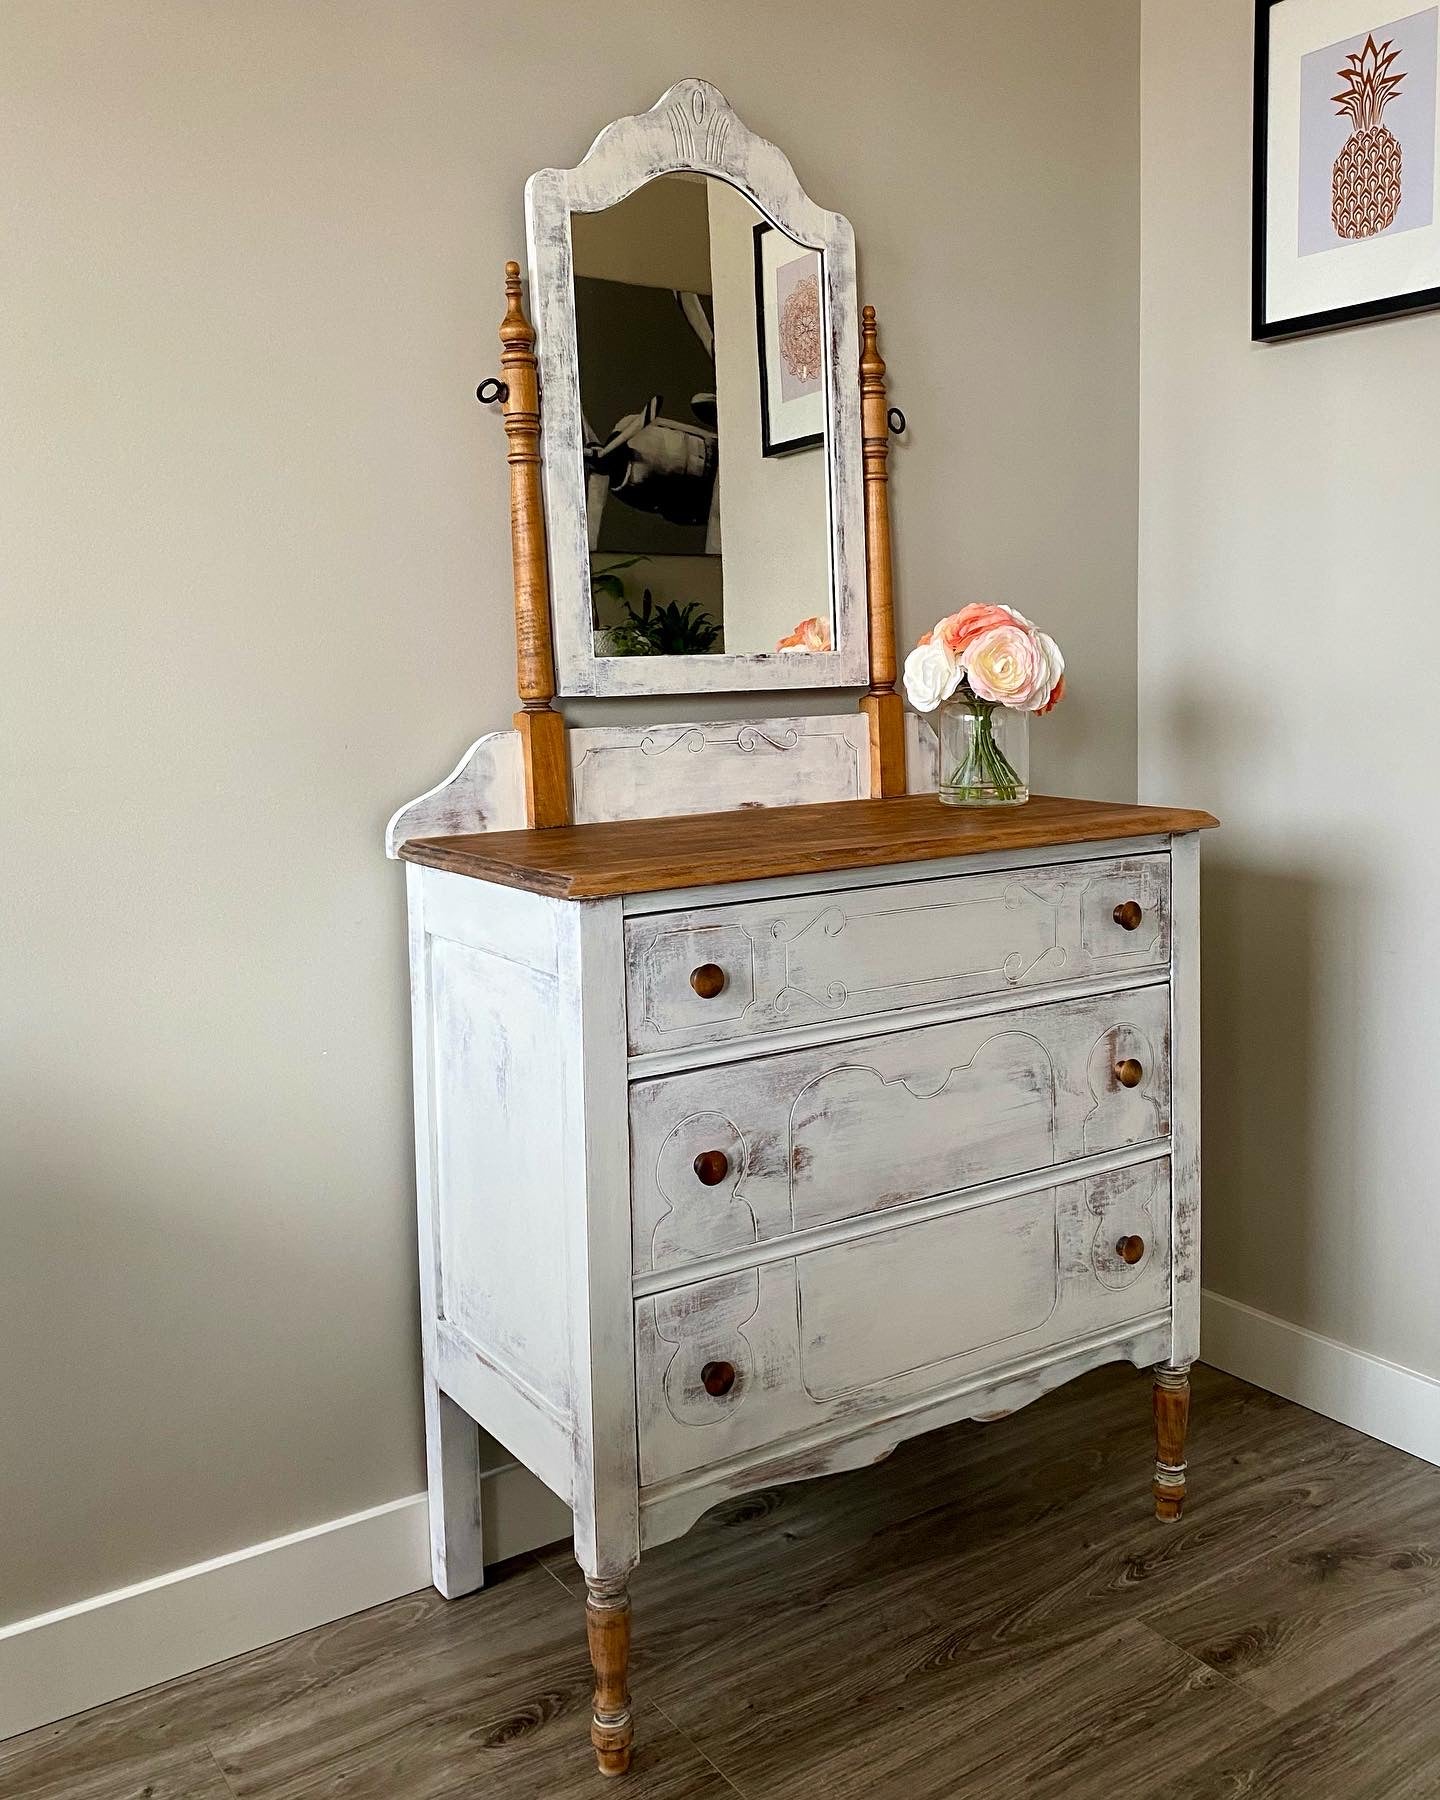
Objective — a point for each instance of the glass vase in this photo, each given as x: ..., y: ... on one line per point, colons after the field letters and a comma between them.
x: 984, y: 754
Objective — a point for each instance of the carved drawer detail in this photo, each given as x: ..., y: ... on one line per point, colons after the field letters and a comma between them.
x: 810, y: 1137
x: 1131, y: 1226
x: 847, y: 1331
x: 1003, y: 1095
x: 796, y: 961
x: 1121, y: 1114
x: 700, y: 1331
x: 701, y: 1218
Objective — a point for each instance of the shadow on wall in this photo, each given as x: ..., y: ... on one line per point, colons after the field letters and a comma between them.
x: 1262, y: 1055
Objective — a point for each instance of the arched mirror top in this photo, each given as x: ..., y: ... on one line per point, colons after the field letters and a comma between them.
x: 699, y: 345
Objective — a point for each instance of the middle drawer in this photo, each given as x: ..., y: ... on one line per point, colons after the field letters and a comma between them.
x: 757, y: 1150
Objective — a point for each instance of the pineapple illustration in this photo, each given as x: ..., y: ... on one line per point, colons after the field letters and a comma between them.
x: 1365, y: 185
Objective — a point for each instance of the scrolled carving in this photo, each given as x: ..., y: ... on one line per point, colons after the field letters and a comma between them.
x: 830, y: 922
x: 624, y: 773
x: 688, y: 736
x: 750, y: 738
x: 1017, y: 970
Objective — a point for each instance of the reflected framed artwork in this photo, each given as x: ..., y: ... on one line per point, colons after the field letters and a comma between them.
x: 1346, y: 151
x: 789, y: 328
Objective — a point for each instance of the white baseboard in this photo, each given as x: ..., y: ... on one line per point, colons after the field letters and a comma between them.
x: 118, y: 1643
x: 1385, y: 1400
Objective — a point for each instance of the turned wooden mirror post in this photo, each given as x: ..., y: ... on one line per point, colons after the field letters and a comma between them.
x: 540, y: 725
x: 882, y: 706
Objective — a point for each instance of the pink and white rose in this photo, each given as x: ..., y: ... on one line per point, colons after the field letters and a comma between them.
x: 809, y: 634
x: 1057, y: 673
x: 960, y: 629
x: 1011, y: 665
x: 932, y: 673
x: 996, y: 652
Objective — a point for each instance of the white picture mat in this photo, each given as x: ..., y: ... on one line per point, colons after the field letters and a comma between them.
x: 1351, y: 274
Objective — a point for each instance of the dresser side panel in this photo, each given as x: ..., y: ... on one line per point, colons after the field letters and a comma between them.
x: 452, y: 1441
x: 1185, y: 1092
x: 498, y: 1196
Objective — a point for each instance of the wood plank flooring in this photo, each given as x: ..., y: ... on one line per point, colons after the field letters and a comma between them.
x: 992, y: 1613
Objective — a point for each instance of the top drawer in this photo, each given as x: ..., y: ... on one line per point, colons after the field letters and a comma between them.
x: 725, y: 972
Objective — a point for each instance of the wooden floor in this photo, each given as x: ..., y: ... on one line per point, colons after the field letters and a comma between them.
x: 991, y: 1613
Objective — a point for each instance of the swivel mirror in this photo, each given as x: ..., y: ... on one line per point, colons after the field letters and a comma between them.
x: 698, y: 347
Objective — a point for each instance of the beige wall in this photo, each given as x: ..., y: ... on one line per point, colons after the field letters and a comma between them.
x: 774, y: 523
x: 657, y: 237
x: 1289, y: 632
x: 256, y: 573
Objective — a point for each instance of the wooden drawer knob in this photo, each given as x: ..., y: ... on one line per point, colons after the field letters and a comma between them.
x: 712, y: 1166
x: 1128, y: 915
x: 1128, y: 1073
x: 1130, y: 1249
x: 718, y: 1378
x: 708, y: 980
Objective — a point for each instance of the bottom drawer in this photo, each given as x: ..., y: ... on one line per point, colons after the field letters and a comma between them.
x: 740, y: 1361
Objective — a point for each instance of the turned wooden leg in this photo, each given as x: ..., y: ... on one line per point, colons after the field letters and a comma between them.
x: 1172, y: 1419
x: 607, y: 1624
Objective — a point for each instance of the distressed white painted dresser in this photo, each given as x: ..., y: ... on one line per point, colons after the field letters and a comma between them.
x: 752, y: 1144
x: 768, y: 1111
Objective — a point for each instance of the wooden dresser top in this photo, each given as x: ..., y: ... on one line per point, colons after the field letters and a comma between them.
x: 646, y: 856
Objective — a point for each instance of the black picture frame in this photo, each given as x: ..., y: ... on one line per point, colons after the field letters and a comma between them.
x: 1264, y: 329
x: 769, y: 445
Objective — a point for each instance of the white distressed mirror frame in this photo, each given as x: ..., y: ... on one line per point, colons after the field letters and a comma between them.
x: 690, y: 129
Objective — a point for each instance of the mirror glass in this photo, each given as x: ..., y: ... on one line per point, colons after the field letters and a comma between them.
x: 700, y: 336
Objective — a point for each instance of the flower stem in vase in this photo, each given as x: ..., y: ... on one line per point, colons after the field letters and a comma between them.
x: 976, y: 770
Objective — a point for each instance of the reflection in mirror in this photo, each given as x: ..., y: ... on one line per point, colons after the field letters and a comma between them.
x: 700, y: 334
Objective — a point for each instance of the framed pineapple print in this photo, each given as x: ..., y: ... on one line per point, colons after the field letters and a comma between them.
x: 1347, y: 107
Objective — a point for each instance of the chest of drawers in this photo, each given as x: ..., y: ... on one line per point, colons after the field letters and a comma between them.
x: 726, y: 1182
